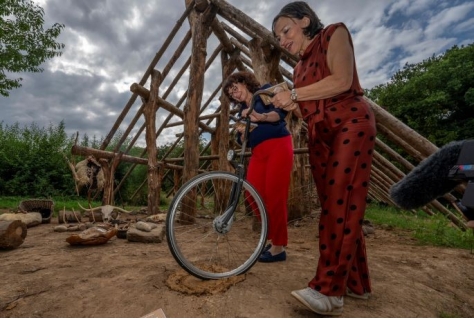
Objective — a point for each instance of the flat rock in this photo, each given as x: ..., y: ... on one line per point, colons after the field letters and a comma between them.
x: 158, y: 218
x: 144, y: 226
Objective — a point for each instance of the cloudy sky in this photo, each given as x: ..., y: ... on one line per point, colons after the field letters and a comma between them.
x: 110, y: 44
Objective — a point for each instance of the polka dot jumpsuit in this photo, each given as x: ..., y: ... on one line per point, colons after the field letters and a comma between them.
x: 341, y: 141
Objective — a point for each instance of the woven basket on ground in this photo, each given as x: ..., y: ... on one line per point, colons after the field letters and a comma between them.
x: 43, y: 206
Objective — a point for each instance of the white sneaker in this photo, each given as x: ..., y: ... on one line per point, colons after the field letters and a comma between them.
x: 319, y: 303
x: 350, y: 293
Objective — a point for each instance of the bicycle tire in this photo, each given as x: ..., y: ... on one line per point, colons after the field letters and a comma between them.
x: 194, y: 241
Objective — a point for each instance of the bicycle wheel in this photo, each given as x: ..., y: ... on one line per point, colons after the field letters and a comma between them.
x: 198, y: 245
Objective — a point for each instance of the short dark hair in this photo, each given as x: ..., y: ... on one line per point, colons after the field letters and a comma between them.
x: 299, y: 10
x: 244, y: 77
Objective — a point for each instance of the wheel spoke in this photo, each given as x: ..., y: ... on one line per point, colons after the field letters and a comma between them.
x: 195, y: 242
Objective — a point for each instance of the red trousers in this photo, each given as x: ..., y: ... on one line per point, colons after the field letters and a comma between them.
x: 340, y: 154
x: 269, y: 171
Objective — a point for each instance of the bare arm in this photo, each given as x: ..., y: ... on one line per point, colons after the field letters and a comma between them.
x: 340, y: 59
x: 341, y: 64
x: 271, y: 116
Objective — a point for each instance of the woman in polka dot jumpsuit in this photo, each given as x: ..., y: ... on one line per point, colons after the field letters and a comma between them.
x: 341, y: 129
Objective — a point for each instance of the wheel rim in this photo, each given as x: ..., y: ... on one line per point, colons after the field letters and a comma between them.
x: 194, y: 242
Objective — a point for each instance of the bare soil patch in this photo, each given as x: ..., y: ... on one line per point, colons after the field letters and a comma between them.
x: 46, y: 277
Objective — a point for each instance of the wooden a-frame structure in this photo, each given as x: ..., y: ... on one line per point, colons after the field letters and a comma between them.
x: 241, y: 44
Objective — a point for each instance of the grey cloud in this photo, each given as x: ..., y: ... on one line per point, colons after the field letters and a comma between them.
x: 88, y: 87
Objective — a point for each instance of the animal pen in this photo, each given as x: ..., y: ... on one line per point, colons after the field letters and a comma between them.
x: 235, y: 42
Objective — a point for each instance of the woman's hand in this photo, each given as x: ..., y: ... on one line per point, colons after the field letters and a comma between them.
x: 254, y: 116
x: 282, y: 99
x: 241, y: 130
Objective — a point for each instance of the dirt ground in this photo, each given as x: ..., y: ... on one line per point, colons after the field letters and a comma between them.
x: 46, y: 277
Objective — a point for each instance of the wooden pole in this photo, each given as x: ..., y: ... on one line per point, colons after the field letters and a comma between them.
x: 397, y: 139
x: 287, y: 74
x: 86, y: 151
x: 135, y: 87
x: 388, y: 168
x: 409, y: 135
x: 265, y: 61
x: 248, y: 25
x: 220, y: 140
x: 394, y: 155
x: 154, y: 182
x: 192, y: 106
x: 109, y: 172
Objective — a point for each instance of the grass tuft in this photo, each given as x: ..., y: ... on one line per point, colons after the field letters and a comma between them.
x: 434, y: 230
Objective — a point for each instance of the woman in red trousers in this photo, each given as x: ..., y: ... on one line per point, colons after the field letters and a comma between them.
x: 341, y: 129
x: 270, y: 165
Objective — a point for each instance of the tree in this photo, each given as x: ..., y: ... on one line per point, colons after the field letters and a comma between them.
x: 24, y: 45
x: 434, y: 97
x: 32, y: 162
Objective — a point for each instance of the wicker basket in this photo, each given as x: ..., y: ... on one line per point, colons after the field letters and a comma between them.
x: 43, y: 206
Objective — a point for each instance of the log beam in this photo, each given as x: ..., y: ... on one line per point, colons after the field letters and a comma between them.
x: 86, y: 151
x: 265, y: 61
x: 194, y: 97
x: 154, y: 182
x: 12, y: 233
x: 145, y: 93
x: 406, y: 133
x: 248, y: 25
